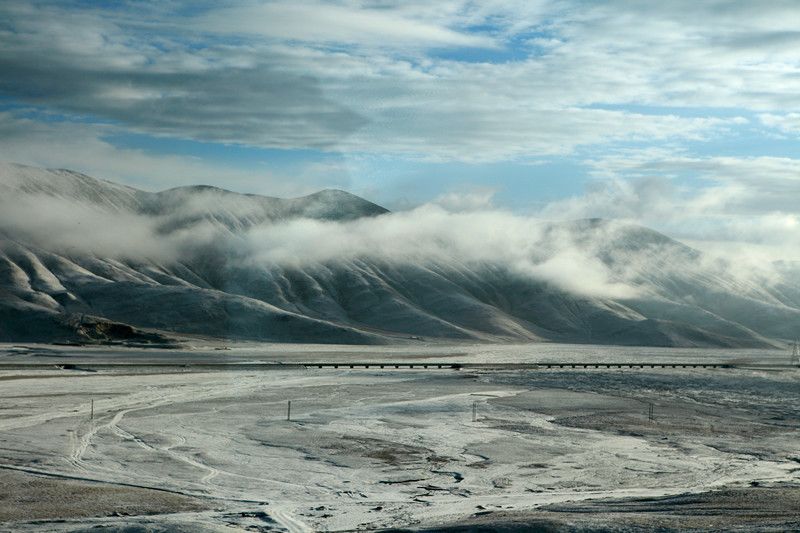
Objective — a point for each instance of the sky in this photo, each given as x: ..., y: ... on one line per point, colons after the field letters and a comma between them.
x: 680, y: 115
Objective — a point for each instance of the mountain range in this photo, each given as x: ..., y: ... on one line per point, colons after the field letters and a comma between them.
x: 88, y: 260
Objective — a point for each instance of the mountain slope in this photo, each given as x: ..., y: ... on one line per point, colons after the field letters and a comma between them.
x: 84, y: 259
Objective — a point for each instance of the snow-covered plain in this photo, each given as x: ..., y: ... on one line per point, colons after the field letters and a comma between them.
x: 366, y: 449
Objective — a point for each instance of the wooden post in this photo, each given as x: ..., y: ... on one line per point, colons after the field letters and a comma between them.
x: 650, y: 413
x: 91, y: 412
x: 474, y: 411
x: 289, y: 410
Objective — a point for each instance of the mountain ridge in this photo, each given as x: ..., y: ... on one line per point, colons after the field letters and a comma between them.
x: 210, y: 281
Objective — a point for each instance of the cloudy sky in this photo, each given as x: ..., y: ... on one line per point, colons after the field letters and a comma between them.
x: 681, y: 115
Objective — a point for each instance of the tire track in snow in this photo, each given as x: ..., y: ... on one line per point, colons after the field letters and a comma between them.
x: 292, y: 524
x: 211, y: 471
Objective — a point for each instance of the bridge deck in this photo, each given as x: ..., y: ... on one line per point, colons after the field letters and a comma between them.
x: 539, y: 366
x: 384, y: 365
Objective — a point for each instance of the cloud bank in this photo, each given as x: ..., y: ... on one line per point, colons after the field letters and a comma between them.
x: 426, y: 237
x: 745, y: 204
x: 378, y: 79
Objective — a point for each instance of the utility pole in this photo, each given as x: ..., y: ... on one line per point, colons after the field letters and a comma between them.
x: 289, y: 411
x: 91, y: 411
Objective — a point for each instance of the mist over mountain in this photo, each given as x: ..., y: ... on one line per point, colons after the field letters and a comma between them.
x: 83, y: 259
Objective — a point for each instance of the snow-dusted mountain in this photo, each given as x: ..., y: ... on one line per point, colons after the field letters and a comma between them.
x: 87, y: 259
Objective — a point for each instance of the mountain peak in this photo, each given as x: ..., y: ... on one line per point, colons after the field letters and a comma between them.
x: 19, y: 179
x: 332, y: 193
x: 335, y: 204
x: 183, y: 205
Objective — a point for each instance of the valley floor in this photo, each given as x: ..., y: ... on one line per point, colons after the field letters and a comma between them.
x: 182, y: 449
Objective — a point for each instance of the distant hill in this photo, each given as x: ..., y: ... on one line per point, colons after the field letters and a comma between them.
x: 87, y: 260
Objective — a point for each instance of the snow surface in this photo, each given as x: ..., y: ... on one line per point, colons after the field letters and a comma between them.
x: 368, y: 450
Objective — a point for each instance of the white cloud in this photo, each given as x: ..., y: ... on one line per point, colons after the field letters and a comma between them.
x: 748, y: 202
x: 732, y: 185
x: 346, y: 22
x: 385, y: 93
x: 787, y: 123
x: 479, y: 198
x: 74, y: 227
x: 429, y: 236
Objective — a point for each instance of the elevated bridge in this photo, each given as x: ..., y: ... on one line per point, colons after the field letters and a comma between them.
x: 90, y: 366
